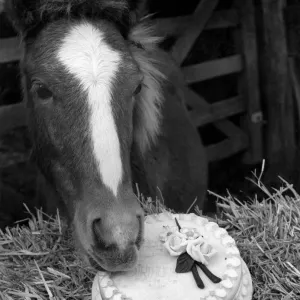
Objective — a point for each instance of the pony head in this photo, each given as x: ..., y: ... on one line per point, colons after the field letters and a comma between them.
x: 93, y: 84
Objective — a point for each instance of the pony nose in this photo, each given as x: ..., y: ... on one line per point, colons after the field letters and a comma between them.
x: 118, y: 231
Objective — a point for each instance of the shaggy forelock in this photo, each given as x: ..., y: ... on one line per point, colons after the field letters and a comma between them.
x: 27, y: 15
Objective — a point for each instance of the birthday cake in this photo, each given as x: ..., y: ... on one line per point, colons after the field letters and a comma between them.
x: 184, y: 257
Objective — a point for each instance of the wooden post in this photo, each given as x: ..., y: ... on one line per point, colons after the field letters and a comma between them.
x: 249, y: 80
x: 280, y: 129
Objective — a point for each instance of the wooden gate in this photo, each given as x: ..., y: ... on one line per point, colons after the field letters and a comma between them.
x: 241, y: 18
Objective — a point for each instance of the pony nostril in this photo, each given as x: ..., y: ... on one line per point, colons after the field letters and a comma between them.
x: 139, y: 238
x: 97, y: 227
x: 100, y: 236
x: 97, y: 231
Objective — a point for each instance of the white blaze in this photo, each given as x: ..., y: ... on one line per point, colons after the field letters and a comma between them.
x: 94, y: 63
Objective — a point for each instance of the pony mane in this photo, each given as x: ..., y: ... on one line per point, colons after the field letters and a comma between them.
x: 148, y: 107
x: 26, y: 15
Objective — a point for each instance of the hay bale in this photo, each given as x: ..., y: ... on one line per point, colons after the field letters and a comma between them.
x: 40, y: 262
x: 267, y: 233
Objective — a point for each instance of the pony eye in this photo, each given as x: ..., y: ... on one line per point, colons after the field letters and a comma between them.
x: 138, y: 89
x: 43, y: 92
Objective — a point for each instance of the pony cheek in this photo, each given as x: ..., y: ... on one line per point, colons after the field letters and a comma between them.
x: 69, y: 187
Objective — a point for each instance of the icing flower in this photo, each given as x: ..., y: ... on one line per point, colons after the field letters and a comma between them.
x: 176, y: 244
x: 200, y: 250
x: 190, y: 233
x: 191, y: 249
x: 168, y: 230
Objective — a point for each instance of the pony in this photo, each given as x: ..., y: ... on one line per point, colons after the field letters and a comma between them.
x: 106, y: 113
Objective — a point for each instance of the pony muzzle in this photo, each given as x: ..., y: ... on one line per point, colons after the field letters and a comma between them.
x: 111, y: 237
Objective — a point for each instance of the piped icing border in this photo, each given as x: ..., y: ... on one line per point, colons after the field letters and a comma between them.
x: 246, y: 288
x: 104, y: 285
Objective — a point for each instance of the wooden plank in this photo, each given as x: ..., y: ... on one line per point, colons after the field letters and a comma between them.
x: 226, y: 148
x: 230, y: 129
x: 177, y: 25
x: 10, y: 49
x: 295, y: 84
x: 212, y: 69
x: 237, y: 140
x: 223, y: 19
x: 249, y: 81
x: 12, y: 116
x: 185, y: 42
x: 194, y: 100
x: 217, y: 111
x: 1, y: 6
x: 291, y: 14
x: 280, y: 128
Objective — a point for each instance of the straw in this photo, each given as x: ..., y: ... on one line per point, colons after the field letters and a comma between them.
x: 40, y: 261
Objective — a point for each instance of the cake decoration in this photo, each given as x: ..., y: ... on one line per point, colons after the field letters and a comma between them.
x: 192, y: 251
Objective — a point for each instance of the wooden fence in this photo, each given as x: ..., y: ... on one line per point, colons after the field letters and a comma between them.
x: 188, y: 28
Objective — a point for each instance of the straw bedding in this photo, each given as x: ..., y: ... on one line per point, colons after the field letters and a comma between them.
x: 39, y: 261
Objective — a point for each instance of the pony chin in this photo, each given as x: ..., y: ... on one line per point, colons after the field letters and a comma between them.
x: 148, y: 106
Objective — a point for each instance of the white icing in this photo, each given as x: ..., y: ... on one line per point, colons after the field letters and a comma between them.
x: 181, y: 217
x: 168, y: 215
x: 109, y: 291
x: 185, y: 217
x: 163, y: 217
x: 105, y: 281
x: 220, y: 232
x: 118, y: 297
x: 211, y: 226
x: 231, y: 273
x: 194, y: 217
x: 228, y: 241
x: 206, y: 293
x: 201, y: 221
x: 154, y: 277
x: 233, y: 250
x: 244, y: 291
x: 245, y: 281
x: 234, y: 261
x: 221, y: 293
x: 96, y: 291
x: 227, y: 283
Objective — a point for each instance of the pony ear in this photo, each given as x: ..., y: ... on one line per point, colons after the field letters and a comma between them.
x: 25, y: 15
x: 20, y: 13
x: 147, y: 112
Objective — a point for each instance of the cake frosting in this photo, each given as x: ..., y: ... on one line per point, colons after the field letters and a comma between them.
x: 170, y: 238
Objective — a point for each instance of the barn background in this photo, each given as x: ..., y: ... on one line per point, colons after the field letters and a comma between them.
x: 244, y: 98
x: 241, y: 62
